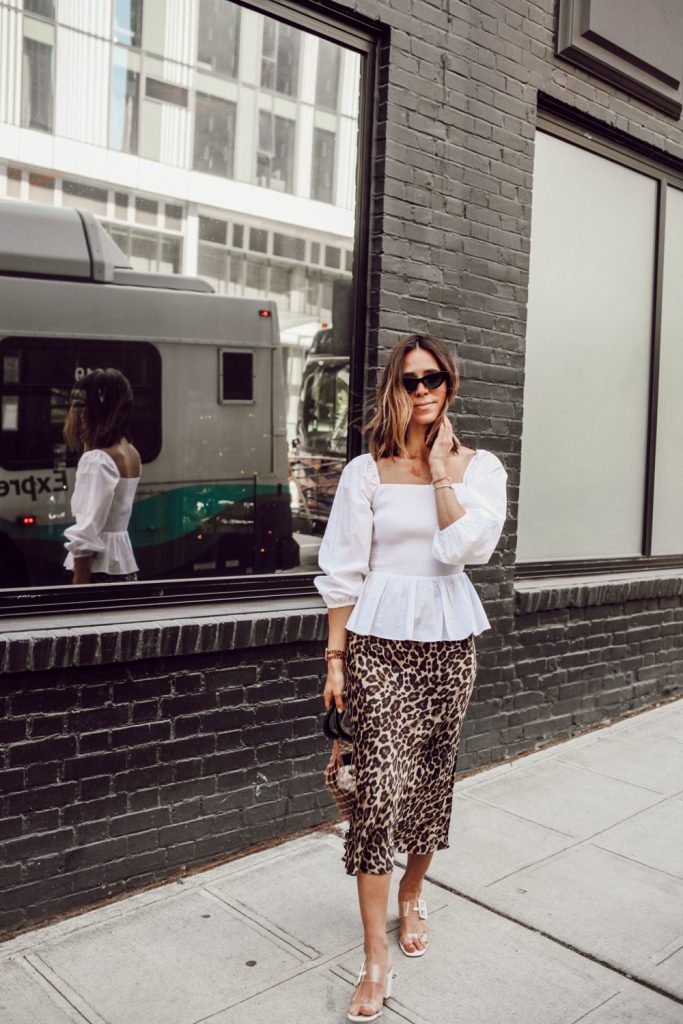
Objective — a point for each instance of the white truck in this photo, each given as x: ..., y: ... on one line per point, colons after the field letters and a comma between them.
x: 209, y: 420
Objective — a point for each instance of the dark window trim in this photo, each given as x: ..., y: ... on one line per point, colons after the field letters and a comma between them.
x: 64, y: 600
x: 587, y: 133
x: 364, y: 37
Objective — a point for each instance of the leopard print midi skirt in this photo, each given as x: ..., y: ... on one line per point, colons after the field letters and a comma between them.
x: 407, y: 701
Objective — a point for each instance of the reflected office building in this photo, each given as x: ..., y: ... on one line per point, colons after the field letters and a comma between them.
x: 213, y: 141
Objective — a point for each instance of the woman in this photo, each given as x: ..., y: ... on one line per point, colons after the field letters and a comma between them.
x: 106, y: 479
x: 406, y: 518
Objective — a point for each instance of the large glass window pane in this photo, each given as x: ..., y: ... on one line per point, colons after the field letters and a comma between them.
x: 280, y: 57
x: 125, y: 98
x: 327, y: 78
x: 214, y: 136
x: 128, y: 22
x: 667, y: 522
x: 37, y: 85
x: 322, y: 175
x: 251, y: 446
x: 275, y: 159
x: 44, y: 8
x: 86, y: 197
x: 218, y: 36
x: 587, y: 356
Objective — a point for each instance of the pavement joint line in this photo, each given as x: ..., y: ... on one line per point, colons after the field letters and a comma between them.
x: 257, y: 919
x: 606, y: 775
x: 65, y: 990
x: 640, y: 863
x: 282, y: 939
x: 587, y: 841
x: 519, y: 817
x: 559, y: 942
x: 522, y: 817
x: 597, y: 1006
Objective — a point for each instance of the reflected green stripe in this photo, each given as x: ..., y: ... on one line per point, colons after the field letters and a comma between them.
x: 165, y: 517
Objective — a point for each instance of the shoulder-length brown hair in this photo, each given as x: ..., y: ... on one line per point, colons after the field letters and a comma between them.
x: 388, y: 425
x: 100, y: 411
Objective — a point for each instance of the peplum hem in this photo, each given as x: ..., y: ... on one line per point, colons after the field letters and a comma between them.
x: 116, y: 557
x: 424, y: 608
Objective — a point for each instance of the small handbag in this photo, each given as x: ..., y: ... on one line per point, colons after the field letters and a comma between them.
x: 340, y: 773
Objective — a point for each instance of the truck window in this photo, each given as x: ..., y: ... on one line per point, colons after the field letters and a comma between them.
x: 36, y: 377
x: 236, y: 376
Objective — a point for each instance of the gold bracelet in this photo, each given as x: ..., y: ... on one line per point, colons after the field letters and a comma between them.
x: 440, y: 478
x: 333, y: 655
x: 439, y: 487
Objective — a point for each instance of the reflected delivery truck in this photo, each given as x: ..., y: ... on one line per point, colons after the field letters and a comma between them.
x: 209, y: 417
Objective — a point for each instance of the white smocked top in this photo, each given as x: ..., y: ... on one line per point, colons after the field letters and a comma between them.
x: 384, y: 553
x: 101, y: 505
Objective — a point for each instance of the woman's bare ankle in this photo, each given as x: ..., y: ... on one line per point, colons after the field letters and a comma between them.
x: 376, y: 948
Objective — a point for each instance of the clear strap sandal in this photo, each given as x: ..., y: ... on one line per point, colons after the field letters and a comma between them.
x: 382, y: 979
x: 406, y: 907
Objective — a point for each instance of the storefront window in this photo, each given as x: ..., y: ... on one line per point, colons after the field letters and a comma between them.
x: 240, y: 369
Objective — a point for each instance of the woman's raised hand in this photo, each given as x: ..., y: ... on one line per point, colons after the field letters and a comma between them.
x: 441, y: 448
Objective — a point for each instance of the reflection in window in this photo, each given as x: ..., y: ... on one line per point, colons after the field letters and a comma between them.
x: 237, y: 377
x: 86, y: 197
x: 128, y: 22
x: 148, y: 250
x: 322, y: 174
x: 37, y: 85
x: 280, y: 57
x: 214, y: 135
x: 41, y: 188
x: 45, y: 8
x: 125, y: 94
x: 275, y: 158
x: 218, y: 37
x: 327, y: 78
x: 165, y: 92
x: 146, y: 211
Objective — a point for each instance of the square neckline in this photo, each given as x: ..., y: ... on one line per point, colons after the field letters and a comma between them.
x: 380, y: 483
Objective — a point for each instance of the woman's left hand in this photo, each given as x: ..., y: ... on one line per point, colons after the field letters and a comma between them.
x: 441, y: 449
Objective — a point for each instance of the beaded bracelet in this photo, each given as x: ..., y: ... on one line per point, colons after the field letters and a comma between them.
x: 331, y: 654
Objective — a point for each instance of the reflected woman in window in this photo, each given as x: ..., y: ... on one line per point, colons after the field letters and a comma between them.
x: 107, y: 477
x: 406, y: 518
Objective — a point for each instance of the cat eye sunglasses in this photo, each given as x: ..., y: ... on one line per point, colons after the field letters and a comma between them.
x: 430, y: 380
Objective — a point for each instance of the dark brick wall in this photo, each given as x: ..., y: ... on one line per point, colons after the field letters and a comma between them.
x: 117, y: 776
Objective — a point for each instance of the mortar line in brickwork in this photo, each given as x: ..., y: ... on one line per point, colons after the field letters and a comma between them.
x: 553, y: 938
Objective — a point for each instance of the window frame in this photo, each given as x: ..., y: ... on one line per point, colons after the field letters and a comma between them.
x: 363, y: 37
x: 235, y: 350
x: 554, y: 118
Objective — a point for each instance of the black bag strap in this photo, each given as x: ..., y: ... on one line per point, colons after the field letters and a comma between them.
x: 333, y: 726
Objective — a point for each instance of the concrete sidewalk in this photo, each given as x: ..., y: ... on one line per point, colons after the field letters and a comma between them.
x: 560, y: 900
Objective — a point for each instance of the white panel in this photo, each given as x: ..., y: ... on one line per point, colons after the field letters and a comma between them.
x: 181, y: 30
x: 350, y: 83
x: 92, y: 16
x: 667, y: 525
x: 10, y: 66
x: 81, y: 110
x: 175, y: 131
x: 346, y: 163
x: 587, y: 356
x: 304, y: 152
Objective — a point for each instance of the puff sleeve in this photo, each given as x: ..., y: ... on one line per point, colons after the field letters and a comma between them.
x: 344, y: 554
x: 472, y: 539
x: 96, y: 481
